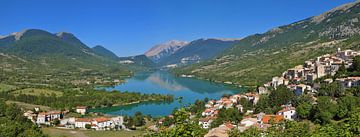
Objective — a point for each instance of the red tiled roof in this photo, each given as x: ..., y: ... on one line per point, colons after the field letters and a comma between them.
x: 81, y: 107
x: 286, y: 109
x: 101, y: 119
x: 54, y: 112
x: 229, y: 125
x: 207, y: 110
x: 276, y: 118
x: 83, y: 120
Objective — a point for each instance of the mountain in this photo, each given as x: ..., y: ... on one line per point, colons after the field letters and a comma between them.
x: 38, y: 51
x: 165, y: 49
x: 257, y: 58
x: 196, y: 51
x: 101, y: 51
x: 36, y: 43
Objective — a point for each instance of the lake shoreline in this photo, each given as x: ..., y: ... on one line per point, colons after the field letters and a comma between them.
x: 165, y: 83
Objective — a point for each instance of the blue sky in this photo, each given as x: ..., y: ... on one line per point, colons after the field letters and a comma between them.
x: 130, y: 27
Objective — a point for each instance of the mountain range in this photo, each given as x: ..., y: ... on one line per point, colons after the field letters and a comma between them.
x: 248, y: 61
x: 35, y: 49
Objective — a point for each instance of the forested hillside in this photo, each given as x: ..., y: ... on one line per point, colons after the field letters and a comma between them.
x: 256, y: 58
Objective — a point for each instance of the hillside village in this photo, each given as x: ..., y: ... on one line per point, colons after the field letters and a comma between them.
x: 299, y: 80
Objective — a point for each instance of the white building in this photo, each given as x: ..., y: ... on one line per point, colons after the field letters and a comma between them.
x: 101, y: 123
x: 81, y: 110
x: 41, y: 118
x: 118, y: 122
x: 349, y: 81
x: 47, y: 117
x: 247, y: 122
x: 82, y: 122
x: 289, y: 113
x: 205, y: 122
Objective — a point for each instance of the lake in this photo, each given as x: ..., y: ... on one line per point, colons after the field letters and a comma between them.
x: 163, y: 82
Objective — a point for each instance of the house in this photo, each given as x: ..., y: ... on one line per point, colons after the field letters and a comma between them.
x: 349, y: 81
x: 253, y: 97
x: 81, y: 110
x: 101, y: 123
x: 310, y: 77
x: 118, y: 122
x: 41, y: 118
x: 67, y: 122
x: 320, y: 70
x: 30, y: 115
x: 240, y: 108
x: 207, y: 112
x: 276, y: 81
x: 228, y: 104
x: 47, y: 117
x: 205, y: 122
x: 82, y: 122
x: 247, y: 122
x: 267, y: 119
x: 299, y: 89
x: 289, y: 113
x: 54, y: 115
x: 262, y: 90
x: 221, y: 131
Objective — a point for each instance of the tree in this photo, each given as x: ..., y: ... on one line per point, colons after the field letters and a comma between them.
x: 87, y: 126
x: 356, y: 63
x: 138, y: 119
x: 227, y: 115
x: 56, y: 122
x: 346, y: 105
x: 341, y: 71
x: 246, y: 104
x: 183, y: 127
x: 264, y: 105
x: 354, y: 122
x: 325, y: 110
x: 282, y: 95
x: 304, y: 110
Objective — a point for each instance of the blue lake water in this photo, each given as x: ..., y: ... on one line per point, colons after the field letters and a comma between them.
x: 162, y: 82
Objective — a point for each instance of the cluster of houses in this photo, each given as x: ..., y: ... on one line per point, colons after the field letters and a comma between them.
x: 233, y: 101
x: 261, y: 121
x: 312, y: 69
x: 97, y: 123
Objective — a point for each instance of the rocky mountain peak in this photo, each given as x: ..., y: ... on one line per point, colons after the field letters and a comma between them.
x: 166, y: 48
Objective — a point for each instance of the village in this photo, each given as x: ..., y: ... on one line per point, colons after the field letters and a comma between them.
x: 299, y: 80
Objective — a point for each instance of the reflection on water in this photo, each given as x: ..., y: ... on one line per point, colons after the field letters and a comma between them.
x: 162, y: 82
x: 165, y: 81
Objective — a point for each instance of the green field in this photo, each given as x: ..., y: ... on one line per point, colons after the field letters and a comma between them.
x: 38, y: 92
x: 5, y: 87
x: 28, y: 106
x: 54, y: 132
